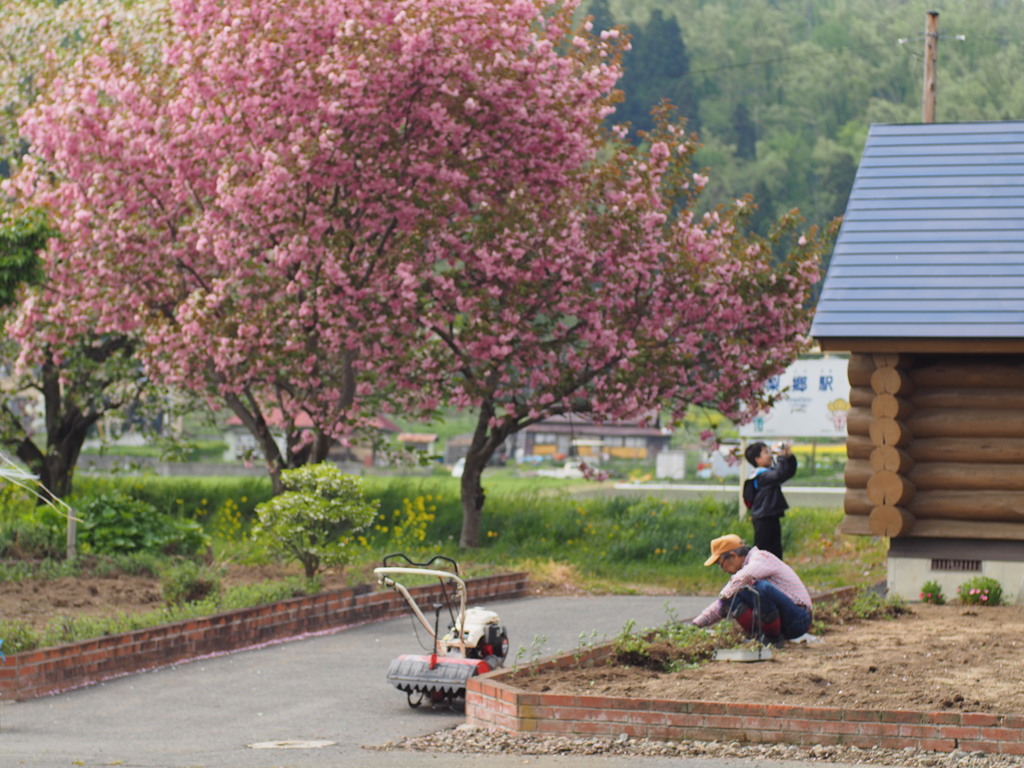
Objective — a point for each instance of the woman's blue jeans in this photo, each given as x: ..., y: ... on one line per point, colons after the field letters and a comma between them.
x: 796, y: 619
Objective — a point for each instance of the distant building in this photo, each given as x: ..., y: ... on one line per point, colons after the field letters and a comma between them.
x: 420, y: 441
x: 561, y: 436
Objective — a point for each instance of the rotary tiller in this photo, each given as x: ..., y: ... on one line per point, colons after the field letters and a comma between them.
x: 475, y: 641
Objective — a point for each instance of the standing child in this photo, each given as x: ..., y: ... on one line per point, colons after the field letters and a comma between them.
x: 769, y: 505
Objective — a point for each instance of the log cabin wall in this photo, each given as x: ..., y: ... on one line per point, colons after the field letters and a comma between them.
x: 935, y: 446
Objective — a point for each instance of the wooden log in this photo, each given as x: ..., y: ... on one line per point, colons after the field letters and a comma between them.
x: 951, y: 529
x: 886, y: 406
x: 934, y: 476
x: 855, y: 525
x: 966, y: 422
x: 890, y: 489
x: 856, y: 502
x: 973, y: 450
x: 890, y: 521
x: 890, y: 432
x: 960, y: 397
x: 858, y: 421
x: 861, y: 397
x: 857, y: 473
x: 991, y: 506
x: 889, y: 458
x: 973, y: 372
x: 859, y: 370
x: 892, y: 381
x: 892, y: 360
x: 859, y: 447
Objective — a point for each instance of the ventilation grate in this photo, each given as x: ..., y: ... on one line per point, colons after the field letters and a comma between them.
x: 947, y: 564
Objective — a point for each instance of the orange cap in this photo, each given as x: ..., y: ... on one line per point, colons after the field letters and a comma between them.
x: 721, y: 545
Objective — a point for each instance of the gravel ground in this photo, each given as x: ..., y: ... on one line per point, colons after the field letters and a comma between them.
x: 473, y: 739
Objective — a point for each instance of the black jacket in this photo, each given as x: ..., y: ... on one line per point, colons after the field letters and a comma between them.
x: 769, y: 501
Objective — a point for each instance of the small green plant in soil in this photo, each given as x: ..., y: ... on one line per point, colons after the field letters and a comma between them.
x: 190, y: 582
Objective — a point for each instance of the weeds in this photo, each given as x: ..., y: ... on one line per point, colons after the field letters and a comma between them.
x: 866, y: 604
x: 674, y: 646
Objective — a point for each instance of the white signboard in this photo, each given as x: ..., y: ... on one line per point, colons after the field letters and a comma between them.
x: 814, y: 403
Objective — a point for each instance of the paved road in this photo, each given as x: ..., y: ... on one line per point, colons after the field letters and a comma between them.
x: 798, y: 496
x: 332, y: 689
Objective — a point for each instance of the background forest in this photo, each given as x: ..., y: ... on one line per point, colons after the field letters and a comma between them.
x: 781, y: 92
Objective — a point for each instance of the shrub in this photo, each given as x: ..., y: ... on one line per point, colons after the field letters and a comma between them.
x: 189, y: 582
x: 114, y: 523
x: 931, y: 592
x: 315, y: 520
x: 981, y: 590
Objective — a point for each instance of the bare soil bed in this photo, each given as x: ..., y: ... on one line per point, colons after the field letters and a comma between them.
x: 934, y: 658
x: 37, y: 601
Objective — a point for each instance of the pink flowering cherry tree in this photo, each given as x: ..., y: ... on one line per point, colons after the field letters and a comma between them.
x: 609, y: 296
x: 261, y: 204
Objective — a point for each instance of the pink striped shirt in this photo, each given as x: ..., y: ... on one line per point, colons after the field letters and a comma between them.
x: 758, y: 566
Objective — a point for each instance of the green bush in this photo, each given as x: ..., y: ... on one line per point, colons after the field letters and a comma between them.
x: 114, y: 523
x: 931, y: 592
x: 316, y: 520
x: 981, y: 590
x: 190, y: 582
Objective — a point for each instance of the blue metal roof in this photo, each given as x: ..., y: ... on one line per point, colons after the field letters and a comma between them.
x: 932, y: 243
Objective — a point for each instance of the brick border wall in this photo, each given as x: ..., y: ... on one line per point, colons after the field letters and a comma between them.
x: 61, y: 668
x: 493, y: 703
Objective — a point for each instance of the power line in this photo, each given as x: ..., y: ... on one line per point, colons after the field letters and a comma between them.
x: 780, y: 59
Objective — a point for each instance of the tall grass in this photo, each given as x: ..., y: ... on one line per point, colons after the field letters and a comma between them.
x: 616, y: 542
x: 608, y: 542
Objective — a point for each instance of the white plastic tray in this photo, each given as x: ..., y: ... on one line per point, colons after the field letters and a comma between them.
x: 743, y: 654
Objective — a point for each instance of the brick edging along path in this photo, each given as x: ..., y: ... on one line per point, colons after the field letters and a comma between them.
x: 60, y: 668
x: 492, y: 702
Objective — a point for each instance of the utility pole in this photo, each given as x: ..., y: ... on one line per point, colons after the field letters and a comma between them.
x: 931, y: 55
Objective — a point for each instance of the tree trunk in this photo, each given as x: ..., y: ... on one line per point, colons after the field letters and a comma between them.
x: 66, y: 430
x: 472, y: 500
x: 253, y: 421
x: 485, y: 442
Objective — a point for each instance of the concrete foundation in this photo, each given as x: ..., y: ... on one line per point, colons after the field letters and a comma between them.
x: 951, y: 562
